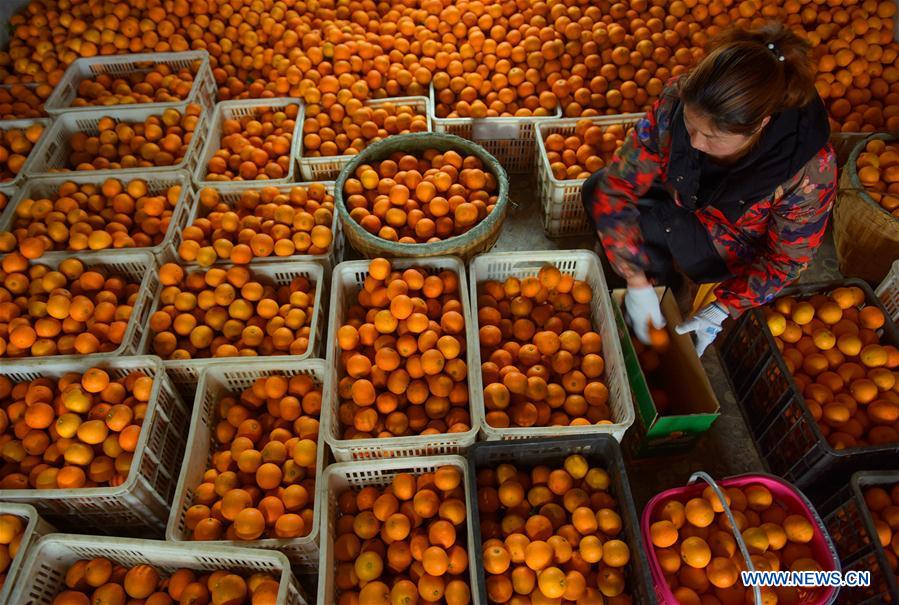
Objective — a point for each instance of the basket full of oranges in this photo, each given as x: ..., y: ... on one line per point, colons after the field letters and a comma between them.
x: 699, y: 538
x: 422, y: 195
x: 866, y: 212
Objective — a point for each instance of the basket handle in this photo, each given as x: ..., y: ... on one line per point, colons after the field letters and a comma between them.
x: 700, y: 475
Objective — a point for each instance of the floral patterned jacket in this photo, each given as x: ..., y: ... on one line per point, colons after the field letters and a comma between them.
x: 765, y: 248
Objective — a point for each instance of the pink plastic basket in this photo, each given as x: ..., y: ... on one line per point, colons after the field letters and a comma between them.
x: 784, y: 493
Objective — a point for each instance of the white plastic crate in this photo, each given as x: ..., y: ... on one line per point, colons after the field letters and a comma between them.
x: 346, y: 281
x: 43, y: 575
x: 185, y: 373
x: 219, y: 381
x: 230, y: 193
x: 158, y: 184
x: 10, y: 193
x: 141, y: 503
x: 202, y: 92
x: 234, y: 110
x: 510, y: 140
x: 35, y: 527
x: 328, y: 167
x: 563, y: 211
x: 51, y: 154
x: 137, y: 266
x: 5, y: 125
x: 583, y: 265
x: 380, y: 473
x: 888, y: 292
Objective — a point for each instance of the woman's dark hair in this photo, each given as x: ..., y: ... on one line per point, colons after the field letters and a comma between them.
x: 748, y: 75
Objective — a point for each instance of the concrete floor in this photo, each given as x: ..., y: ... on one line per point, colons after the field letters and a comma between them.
x: 727, y: 448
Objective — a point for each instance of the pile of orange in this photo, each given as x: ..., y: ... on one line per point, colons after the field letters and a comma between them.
x: 219, y: 312
x: 552, y: 535
x: 261, y: 223
x: 100, y: 581
x: 112, y: 214
x: 831, y: 346
x: 12, y: 528
x: 695, y: 547
x: 350, y: 128
x: 425, y: 197
x: 878, y: 171
x: 62, y: 311
x: 857, y: 73
x: 160, y: 140
x: 22, y: 102
x: 884, y: 507
x: 160, y: 83
x: 255, y: 146
x: 404, y: 543
x: 15, y: 145
x: 484, y: 59
x: 529, y: 60
x: 80, y: 430
x: 542, y: 361
x: 402, y: 356
x: 260, y: 482
x: 585, y: 151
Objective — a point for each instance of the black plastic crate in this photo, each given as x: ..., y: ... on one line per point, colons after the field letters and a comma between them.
x: 851, y: 527
x: 744, y: 349
x: 786, y: 434
x: 602, y: 451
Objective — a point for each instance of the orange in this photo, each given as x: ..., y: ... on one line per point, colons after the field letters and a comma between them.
x: 802, y: 313
x: 699, y: 512
x: 664, y: 533
x: 798, y: 529
x: 758, y: 497
x: 669, y: 560
x: 695, y: 552
x: 496, y: 558
x: 674, y: 512
x: 368, y: 566
x: 141, y: 581
x: 722, y: 572
x: 871, y: 317
x: 756, y: 540
x: 615, y: 553
x: 552, y: 582
x: 686, y: 596
x: 538, y: 554
x: 447, y: 478
x: 404, y: 592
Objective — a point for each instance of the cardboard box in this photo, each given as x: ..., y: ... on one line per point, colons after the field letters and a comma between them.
x: 693, y: 406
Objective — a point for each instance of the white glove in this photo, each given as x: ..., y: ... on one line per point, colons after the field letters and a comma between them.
x: 705, y: 324
x: 642, y: 306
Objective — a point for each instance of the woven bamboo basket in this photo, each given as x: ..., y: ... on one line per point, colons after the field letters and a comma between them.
x: 479, y: 239
x: 866, y: 235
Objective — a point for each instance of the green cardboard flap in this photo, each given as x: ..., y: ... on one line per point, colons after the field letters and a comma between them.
x: 691, y: 424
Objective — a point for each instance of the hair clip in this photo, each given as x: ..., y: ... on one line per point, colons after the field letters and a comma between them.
x: 773, y: 49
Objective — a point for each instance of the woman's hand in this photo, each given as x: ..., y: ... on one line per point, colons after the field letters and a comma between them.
x: 706, y: 325
x: 641, y: 306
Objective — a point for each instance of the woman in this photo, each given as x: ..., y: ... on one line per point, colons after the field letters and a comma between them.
x: 729, y: 177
